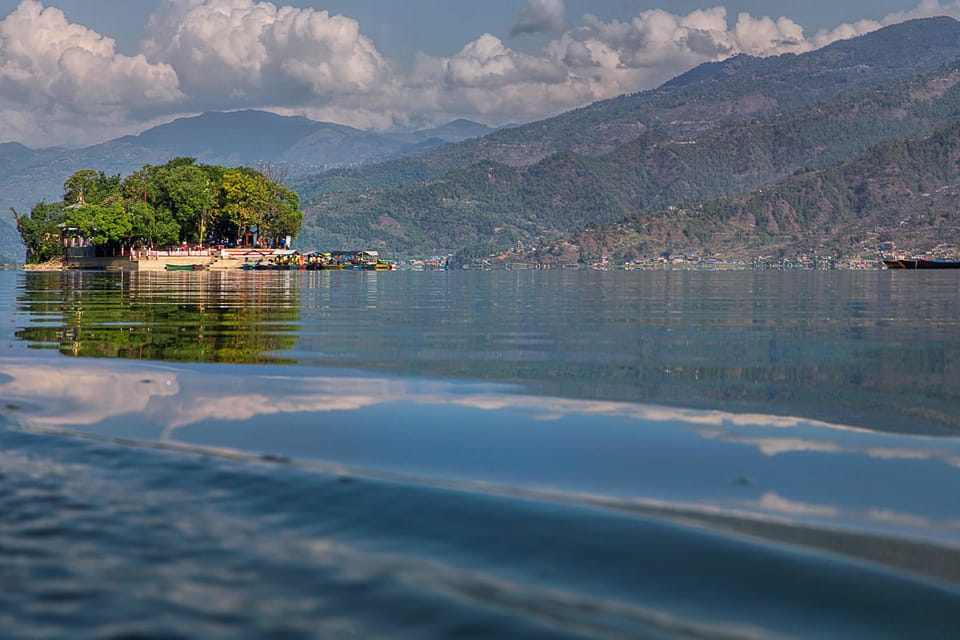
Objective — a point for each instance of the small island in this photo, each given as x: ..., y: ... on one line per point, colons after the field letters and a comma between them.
x: 178, y: 213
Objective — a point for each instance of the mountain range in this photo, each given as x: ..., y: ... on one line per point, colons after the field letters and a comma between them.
x: 719, y: 130
x: 302, y: 145
x: 818, y: 151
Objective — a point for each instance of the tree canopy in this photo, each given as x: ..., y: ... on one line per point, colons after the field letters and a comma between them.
x: 177, y: 202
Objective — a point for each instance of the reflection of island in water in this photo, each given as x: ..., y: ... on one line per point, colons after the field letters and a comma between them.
x: 865, y: 349
x: 203, y: 317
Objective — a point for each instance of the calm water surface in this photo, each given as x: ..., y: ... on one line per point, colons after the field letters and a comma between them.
x: 480, y: 455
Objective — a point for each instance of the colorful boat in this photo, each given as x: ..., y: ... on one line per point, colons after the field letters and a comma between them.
x: 429, y: 265
x: 920, y: 263
x: 368, y: 260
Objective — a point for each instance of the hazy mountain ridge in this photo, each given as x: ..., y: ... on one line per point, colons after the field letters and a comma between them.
x: 255, y: 137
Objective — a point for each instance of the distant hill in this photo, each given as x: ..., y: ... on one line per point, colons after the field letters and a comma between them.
x: 243, y: 136
x: 453, y: 131
x: 255, y: 137
x: 905, y: 191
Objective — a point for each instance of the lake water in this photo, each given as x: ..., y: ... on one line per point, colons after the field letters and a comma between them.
x: 480, y: 455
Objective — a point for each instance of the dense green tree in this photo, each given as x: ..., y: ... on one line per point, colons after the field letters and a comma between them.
x: 93, y: 186
x: 282, y: 216
x: 133, y: 188
x: 244, y: 199
x: 40, y: 231
x: 187, y: 193
x: 107, y: 224
x: 177, y: 202
x: 153, y: 227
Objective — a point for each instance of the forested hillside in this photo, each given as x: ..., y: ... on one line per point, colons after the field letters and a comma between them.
x: 494, y: 205
x: 906, y: 191
x: 739, y: 89
x: 717, y: 130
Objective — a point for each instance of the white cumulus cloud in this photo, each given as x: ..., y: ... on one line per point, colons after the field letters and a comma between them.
x: 596, y: 60
x: 925, y: 9
x: 486, y: 62
x: 243, y: 53
x: 53, y: 72
x: 62, y: 82
x: 491, y: 82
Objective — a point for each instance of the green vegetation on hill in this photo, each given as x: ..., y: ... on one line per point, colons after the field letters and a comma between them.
x: 736, y: 90
x: 906, y: 191
x: 385, y: 175
x: 497, y: 204
x: 178, y: 202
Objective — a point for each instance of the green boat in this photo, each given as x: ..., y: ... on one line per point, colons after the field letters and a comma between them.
x: 183, y: 267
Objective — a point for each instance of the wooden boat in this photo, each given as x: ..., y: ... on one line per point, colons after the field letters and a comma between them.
x: 280, y: 260
x: 183, y: 267
x: 275, y: 266
x: 920, y: 263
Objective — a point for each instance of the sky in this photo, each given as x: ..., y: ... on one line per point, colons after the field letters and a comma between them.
x: 77, y: 72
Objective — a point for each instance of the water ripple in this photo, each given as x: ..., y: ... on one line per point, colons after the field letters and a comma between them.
x: 184, y: 543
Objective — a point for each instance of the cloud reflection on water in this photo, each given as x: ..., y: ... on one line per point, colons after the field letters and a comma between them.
x: 88, y: 396
x: 77, y: 395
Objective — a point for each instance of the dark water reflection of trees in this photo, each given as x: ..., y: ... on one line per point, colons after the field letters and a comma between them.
x: 182, y: 317
x: 877, y: 349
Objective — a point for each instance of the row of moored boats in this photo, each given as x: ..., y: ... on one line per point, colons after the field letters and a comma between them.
x: 317, y: 260
x: 920, y: 263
